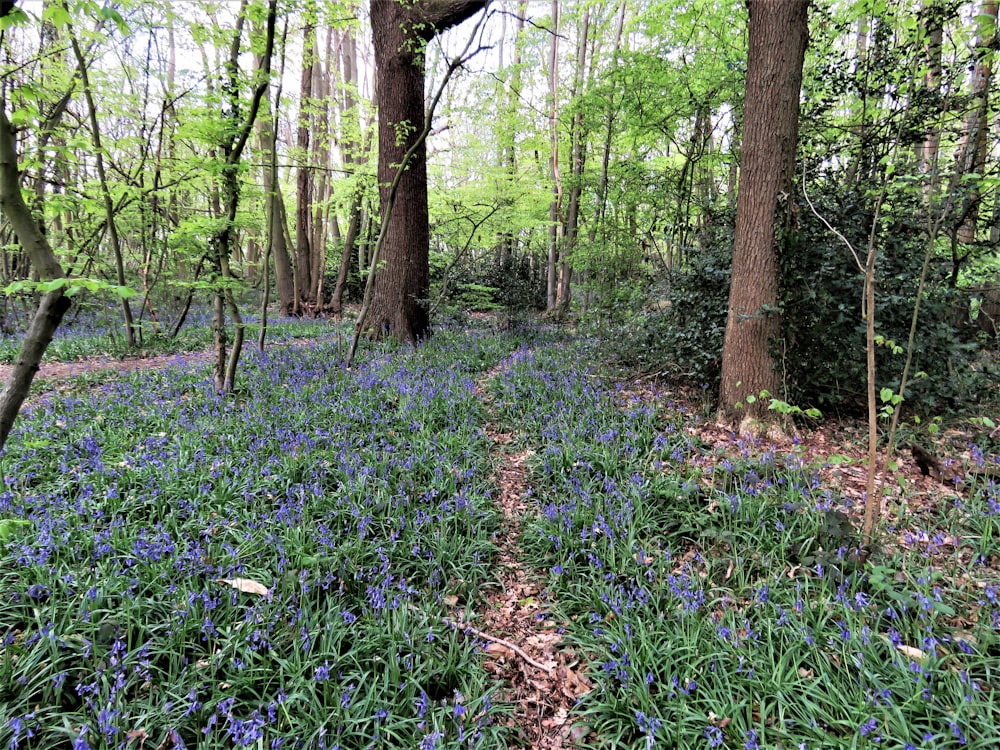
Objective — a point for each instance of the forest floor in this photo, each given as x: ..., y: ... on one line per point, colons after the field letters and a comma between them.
x: 541, y: 674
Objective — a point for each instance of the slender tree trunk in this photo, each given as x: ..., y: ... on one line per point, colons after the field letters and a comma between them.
x: 508, y: 135
x: 972, y: 148
x: 109, y: 206
x: 578, y: 138
x: 284, y: 283
x: 555, y: 204
x: 857, y: 166
x: 231, y: 149
x: 324, y: 221
x: 53, y: 304
x: 354, y: 156
x: 927, y: 151
x: 777, y: 42
x: 304, y: 176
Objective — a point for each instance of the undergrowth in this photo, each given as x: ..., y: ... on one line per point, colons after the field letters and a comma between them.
x: 265, y: 570
x: 716, y: 602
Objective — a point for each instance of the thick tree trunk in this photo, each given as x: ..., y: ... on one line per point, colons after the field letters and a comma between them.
x: 400, y: 32
x: 777, y: 43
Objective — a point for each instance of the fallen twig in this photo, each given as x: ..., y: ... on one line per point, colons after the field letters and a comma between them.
x: 516, y: 649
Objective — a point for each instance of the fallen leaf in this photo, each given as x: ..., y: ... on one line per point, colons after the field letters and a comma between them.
x: 246, y: 585
x: 910, y: 651
x: 498, y: 649
x: 577, y: 732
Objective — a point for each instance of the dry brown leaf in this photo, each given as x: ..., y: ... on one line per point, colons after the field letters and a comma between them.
x: 806, y: 674
x: 246, y: 585
x: 577, y: 733
x: 498, y: 649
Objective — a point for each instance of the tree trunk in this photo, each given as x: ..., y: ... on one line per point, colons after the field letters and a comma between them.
x: 324, y: 222
x: 231, y: 149
x: 400, y: 32
x: 778, y: 35
x: 927, y: 152
x: 577, y: 137
x: 53, y: 305
x: 266, y: 126
x: 109, y: 206
x: 508, y: 128
x: 972, y: 147
x: 304, y: 178
x: 354, y: 156
x: 555, y: 204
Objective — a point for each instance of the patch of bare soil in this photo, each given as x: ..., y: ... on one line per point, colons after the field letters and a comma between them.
x: 68, y: 370
x: 542, y: 678
x: 56, y: 376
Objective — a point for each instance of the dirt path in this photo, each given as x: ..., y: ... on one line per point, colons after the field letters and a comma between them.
x: 541, y: 678
x: 67, y: 370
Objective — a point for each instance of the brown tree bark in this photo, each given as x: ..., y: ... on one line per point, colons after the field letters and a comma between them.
x: 109, y: 205
x: 778, y: 34
x: 231, y: 150
x: 273, y: 202
x: 355, y: 155
x: 53, y: 305
x: 577, y: 157
x: 400, y: 31
x: 927, y: 151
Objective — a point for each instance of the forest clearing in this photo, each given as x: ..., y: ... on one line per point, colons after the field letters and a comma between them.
x: 452, y: 374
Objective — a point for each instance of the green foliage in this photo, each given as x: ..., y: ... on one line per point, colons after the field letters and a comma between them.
x: 683, y: 339
x: 276, y: 566
x: 482, y: 282
x: 822, y: 349
x: 716, y: 599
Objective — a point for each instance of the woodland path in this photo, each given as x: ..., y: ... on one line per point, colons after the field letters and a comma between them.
x: 541, y: 678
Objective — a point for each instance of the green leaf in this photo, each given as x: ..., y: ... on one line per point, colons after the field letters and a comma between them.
x: 10, y: 526
x: 886, y: 394
x: 56, y: 14
x: 15, y: 18
x: 124, y: 292
x: 108, y: 13
x: 17, y: 287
